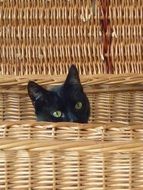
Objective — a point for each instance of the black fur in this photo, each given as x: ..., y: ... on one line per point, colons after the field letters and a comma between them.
x: 63, y: 99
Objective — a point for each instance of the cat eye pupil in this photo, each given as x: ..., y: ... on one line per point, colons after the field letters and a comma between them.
x: 57, y: 114
x: 78, y: 105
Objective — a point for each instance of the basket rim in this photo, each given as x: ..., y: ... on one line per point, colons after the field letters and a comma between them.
x: 35, y: 145
x: 108, y: 79
x: 46, y: 125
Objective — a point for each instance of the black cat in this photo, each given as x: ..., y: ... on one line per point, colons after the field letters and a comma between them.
x: 66, y: 103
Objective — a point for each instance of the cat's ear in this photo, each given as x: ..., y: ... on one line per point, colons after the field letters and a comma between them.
x: 35, y: 91
x: 73, y: 76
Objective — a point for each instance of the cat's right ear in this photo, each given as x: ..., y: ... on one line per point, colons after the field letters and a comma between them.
x: 73, y: 76
x: 35, y: 91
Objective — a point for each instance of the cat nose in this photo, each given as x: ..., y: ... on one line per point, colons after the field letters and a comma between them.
x: 72, y: 118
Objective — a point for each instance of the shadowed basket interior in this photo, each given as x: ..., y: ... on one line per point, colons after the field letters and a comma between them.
x: 112, y: 98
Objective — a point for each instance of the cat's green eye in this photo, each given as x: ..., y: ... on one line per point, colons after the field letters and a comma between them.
x: 57, y: 114
x: 78, y: 105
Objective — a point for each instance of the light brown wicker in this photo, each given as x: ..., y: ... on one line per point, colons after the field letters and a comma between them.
x: 71, y: 156
x: 45, y: 37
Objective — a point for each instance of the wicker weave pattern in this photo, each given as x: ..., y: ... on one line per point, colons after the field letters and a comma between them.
x: 34, y: 158
x: 115, y: 132
x: 45, y: 37
x: 72, y: 169
x: 127, y: 25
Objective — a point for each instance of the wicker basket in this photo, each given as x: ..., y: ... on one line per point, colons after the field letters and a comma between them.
x: 104, y: 154
x: 43, y: 37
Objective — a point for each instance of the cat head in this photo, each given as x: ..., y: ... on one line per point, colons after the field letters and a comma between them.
x: 66, y: 103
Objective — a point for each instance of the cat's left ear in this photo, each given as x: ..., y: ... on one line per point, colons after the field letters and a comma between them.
x: 35, y: 91
x: 73, y: 77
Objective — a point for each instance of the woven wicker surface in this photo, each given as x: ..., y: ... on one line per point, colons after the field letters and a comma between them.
x: 22, y: 130
x: 112, y: 98
x: 45, y: 37
x: 38, y: 156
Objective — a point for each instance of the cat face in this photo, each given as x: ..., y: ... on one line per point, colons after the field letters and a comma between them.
x: 66, y: 103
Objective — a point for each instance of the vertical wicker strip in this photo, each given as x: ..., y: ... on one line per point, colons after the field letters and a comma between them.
x: 107, y: 35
